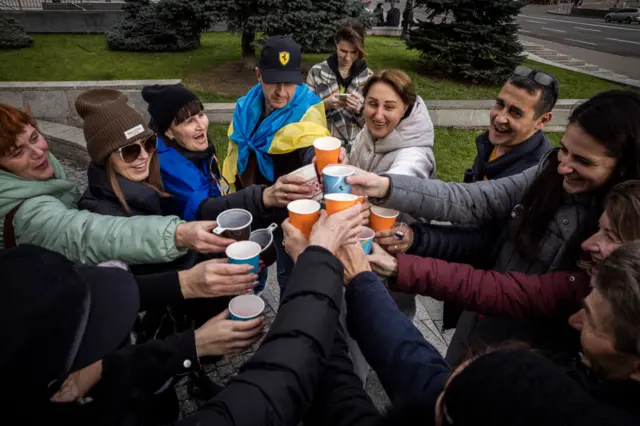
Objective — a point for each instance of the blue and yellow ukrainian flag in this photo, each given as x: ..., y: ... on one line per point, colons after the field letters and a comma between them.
x: 285, y: 130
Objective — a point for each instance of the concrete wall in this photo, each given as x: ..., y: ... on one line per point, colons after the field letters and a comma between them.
x: 55, y: 101
x: 101, y: 5
x: 66, y: 21
x: 459, y: 114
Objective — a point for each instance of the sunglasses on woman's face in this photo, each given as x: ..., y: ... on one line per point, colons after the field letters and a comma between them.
x: 131, y: 152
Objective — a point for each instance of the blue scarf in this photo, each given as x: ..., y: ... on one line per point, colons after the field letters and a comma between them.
x: 246, y: 116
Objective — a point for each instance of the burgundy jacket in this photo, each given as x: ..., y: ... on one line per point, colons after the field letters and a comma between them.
x: 512, y: 294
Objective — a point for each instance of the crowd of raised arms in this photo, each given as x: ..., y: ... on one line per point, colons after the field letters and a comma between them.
x: 111, y: 296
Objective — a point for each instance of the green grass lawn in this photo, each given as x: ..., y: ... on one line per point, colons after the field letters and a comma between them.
x: 454, y: 149
x: 65, y: 57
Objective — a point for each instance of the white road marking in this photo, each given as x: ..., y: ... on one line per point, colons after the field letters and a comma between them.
x: 523, y: 31
x: 611, y: 27
x: 555, y: 31
x: 535, y: 22
x: 580, y: 41
x: 622, y: 41
x: 587, y: 29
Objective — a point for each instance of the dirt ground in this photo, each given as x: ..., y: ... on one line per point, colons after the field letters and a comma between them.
x: 228, y: 80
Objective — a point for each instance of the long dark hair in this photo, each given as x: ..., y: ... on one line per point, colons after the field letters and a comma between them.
x: 613, y: 119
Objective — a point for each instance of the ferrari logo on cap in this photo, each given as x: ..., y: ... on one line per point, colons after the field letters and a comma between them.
x: 284, y: 58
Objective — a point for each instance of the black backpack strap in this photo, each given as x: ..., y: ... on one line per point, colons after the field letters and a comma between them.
x: 8, y: 231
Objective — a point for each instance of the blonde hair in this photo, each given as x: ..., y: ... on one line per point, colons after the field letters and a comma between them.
x: 622, y: 205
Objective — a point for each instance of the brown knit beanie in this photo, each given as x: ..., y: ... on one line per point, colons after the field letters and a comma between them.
x: 109, y: 122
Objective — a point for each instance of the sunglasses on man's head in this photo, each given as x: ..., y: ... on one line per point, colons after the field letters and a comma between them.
x: 131, y: 152
x: 542, y: 78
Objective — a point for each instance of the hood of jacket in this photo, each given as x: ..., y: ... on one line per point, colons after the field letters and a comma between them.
x: 142, y: 200
x: 415, y: 131
x: 14, y: 189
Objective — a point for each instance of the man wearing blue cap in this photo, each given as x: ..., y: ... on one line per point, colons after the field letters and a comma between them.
x: 273, y: 130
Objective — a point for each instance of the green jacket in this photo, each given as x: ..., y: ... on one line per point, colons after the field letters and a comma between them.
x: 49, y: 218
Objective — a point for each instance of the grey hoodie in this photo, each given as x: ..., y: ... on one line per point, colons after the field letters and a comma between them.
x: 407, y: 150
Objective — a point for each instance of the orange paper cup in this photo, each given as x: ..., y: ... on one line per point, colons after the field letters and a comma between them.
x: 382, y: 219
x: 362, y: 199
x: 327, y: 152
x: 303, y: 214
x: 337, y: 202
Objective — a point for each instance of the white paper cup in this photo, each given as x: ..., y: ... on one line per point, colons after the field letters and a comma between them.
x: 311, y: 182
x: 246, y: 307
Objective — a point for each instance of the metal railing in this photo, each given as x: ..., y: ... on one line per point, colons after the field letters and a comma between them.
x: 48, y: 4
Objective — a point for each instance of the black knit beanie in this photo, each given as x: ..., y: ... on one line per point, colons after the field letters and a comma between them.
x: 519, y: 387
x: 165, y: 100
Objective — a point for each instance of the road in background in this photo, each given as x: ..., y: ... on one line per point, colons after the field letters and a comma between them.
x: 592, y: 34
x: 615, y: 47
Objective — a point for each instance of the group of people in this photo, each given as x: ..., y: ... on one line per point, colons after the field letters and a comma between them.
x: 114, y: 294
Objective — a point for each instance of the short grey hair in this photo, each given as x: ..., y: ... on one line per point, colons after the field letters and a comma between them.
x: 618, y: 281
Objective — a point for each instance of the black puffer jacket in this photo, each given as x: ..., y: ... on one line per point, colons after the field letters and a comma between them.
x: 100, y: 198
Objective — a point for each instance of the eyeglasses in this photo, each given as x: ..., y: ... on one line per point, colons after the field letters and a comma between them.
x: 542, y: 78
x: 131, y: 152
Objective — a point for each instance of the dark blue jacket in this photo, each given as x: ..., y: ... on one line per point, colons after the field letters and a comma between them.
x: 408, y: 366
x: 195, y: 192
x: 520, y: 158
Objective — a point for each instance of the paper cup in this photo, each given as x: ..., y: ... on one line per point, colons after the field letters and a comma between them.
x: 382, y: 219
x: 362, y: 199
x: 244, y: 253
x: 234, y: 224
x: 335, y: 179
x: 264, y: 237
x: 337, y: 202
x: 246, y: 307
x: 303, y: 214
x: 327, y: 152
x: 366, y: 240
x: 311, y: 181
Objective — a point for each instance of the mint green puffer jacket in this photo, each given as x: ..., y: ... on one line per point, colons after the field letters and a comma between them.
x: 48, y: 217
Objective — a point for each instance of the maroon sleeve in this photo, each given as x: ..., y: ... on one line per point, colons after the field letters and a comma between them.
x: 513, y: 294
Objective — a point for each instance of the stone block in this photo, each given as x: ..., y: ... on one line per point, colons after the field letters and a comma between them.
x: 73, y: 119
x: 136, y: 101
x: 10, y: 97
x: 50, y: 105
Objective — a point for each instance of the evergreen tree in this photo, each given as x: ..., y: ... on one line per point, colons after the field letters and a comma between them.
x: 476, y: 41
x: 13, y: 35
x: 168, y: 25
x: 311, y: 23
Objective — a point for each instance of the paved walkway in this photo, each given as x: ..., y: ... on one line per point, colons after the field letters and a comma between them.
x: 428, y: 320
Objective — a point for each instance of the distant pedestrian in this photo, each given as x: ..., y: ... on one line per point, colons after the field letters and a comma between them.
x: 378, y: 13
x: 393, y: 17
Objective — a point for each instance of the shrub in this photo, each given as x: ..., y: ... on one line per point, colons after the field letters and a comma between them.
x: 169, y: 25
x: 12, y: 35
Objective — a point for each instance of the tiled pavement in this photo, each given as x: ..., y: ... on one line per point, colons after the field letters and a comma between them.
x: 428, y: 320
